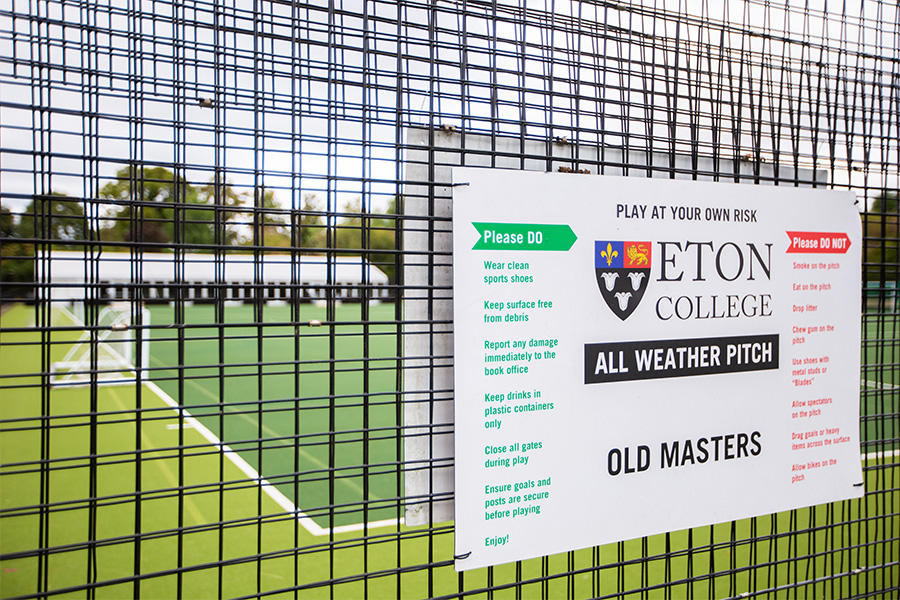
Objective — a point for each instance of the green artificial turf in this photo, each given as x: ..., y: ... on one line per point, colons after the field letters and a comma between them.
x: 129, y: 490
x: 322, y: 400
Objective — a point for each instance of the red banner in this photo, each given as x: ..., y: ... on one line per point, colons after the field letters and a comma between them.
x: 818, y: 242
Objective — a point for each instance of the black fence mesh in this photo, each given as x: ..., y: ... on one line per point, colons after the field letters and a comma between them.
x: 225, y: 259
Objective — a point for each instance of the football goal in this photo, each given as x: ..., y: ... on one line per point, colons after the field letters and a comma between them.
x: 107, y: 349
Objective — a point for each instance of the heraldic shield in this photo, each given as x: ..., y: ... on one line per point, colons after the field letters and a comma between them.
x: 623, y: 271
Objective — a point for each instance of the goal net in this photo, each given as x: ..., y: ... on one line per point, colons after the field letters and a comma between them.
x: 110, y: 355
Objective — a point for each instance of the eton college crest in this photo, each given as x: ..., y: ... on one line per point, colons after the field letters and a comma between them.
x: 623, y: 270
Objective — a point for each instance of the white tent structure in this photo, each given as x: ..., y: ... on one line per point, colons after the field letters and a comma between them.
x: 71, y: 276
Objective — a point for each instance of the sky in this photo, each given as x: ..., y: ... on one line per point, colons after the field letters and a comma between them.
x: 305, y: 101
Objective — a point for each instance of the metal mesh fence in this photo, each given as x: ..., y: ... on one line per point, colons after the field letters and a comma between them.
x: 224, y: 356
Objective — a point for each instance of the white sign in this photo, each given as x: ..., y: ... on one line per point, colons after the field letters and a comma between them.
x: 635, y: 356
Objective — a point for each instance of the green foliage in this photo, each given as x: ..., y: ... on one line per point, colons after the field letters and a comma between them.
x: 7, y: 223
x: 368, y: 233
x: 161, y: 209
x: 153, y: 207
x: 886, y: 203
x: 357, y: 232
x: 56, y: 218
x: 16, y: 269
x: 269, y: 226
x: 881, y: 228
x: 273, y: 226
x: 312, y: 226
x: 16, y: 259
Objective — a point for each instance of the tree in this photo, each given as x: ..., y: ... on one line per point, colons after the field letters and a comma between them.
x: 270, y: 225
x: 312, y: 225
x: 881, y: 228
x: 368, y: 233
x: 153, y: 206
x: 53, y: 219
x: 219, y: 193
x: 57, y: 218
x: 886, y: 203
x: 16, y: 259
x: 273, y: 226
x: 7, y: 223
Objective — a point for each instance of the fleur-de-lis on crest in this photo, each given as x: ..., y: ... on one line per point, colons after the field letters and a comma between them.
x: 609, y: 254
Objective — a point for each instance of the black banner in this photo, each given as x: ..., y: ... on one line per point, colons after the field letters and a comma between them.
x: 657, y: 359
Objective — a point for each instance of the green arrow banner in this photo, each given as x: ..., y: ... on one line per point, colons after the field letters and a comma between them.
x: 524, y: 236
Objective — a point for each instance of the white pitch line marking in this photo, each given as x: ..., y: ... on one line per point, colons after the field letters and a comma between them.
x: 881, y: 454
x: 283, y: 501
x: 175, y: 426
x: 879, y: 386
x: 190, y: 422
